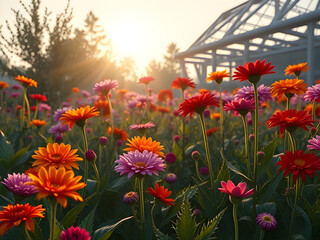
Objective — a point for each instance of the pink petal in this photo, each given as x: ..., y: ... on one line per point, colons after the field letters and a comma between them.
x: 230, y: 186
x: 242, y: 187
x: 236, y: 192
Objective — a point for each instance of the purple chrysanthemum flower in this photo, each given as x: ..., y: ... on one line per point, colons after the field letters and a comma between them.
x: 142, y: 126
x: 313, y: 93
x: 75, y: 233
x: 240, y: 106
x: 15, y: 183
x: 171, y: 178
x: 130, y: 198
x: 314, y: 143
x: 247, y: 93
x: 58, y: 129
x: 266, y: 221
x: 15, y: 94
x: 135, y: 162
x: 58, y: 113
x: 16, y: 87
x: 105, y: 86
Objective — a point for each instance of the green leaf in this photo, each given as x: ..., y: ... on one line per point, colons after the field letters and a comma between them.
x: 268, y: 155
x: 208, y: 229
x: 21, y: 156
x: 70, y: 218
x: 269, y: 188
x: 160, y: 235
x: 186, y: 225
x: 235, y: 170
x: 176, y: 150
x: 224, y: 174
x: 6, y: 199
x: 88, y: 222
x: 105, y: 232
x: 6, y: 150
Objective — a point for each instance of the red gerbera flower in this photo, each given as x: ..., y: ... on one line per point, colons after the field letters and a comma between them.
x: 38, y: 97
x: 290, y: 120
x: 197, y: 104
x: 299, y: 164
x: 182, y: 83
x: 162, y: 194
x: 253, y: 71
x: 211, y: 131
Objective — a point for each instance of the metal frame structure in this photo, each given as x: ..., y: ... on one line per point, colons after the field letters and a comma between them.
x: 282, y: 31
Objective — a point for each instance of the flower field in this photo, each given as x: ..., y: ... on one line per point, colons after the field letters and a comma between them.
x: 115, y: 164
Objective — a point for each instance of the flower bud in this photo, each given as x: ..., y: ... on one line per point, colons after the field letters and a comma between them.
x: 260, y: 155
x: 170, y: 158
x: 90, y: 155
x: 204, y: 171
x: 119, y: 143
x: 103, y: 140
x: 130, y: 198
x: 195, y: 155
x: 251, y: 137
x: 176, y: 138
x: 171, y: 178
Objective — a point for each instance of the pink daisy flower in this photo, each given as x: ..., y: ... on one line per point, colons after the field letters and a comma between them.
x: 135, y: 162
x: 238, y: 191
x: 240, y: 106
x: 146, y: 80
x: 313, y: 93
x: 314, y: 143
x: 105, y: 86
x: 142, y: 126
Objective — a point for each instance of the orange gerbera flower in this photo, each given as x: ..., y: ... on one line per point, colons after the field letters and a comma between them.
x: 55, y: 155
x: 215, y: 115
x: 14, y: 215
x: 121, y: 93
x: 252, y: 71
x: 78, y: 116
x: 296, y: 69
x: 162, y: 194
x: 288, y: 87
x: 163, y: 109
x: 183, y: 83
x: 38, y: 122
x: 3, y: 85
x: 142, y: 144
x: 290, y: 120
x: 75, y: 89
x: 26, y: 82
x: 121, y: 134
x: 202, y: 90
x: 164, y: 94
x: 57, y: 183
x: 102, y: 104
x: 299, y: 164
x: 309, y: 108
x: 217, y: 76
x: 197, y: 104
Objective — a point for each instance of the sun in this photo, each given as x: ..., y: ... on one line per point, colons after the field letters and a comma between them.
x: 127, y: 38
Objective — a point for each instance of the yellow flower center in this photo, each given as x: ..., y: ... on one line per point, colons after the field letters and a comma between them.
x: 140, y: 164
x: 300, y: 162
x: 56, y: 157
x: 291, y: 119
x: 130, y: 194
x: 267, y: 219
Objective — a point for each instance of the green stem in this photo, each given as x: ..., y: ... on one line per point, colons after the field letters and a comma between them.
x: 197, y: 170
x: 235, y: 221
x: 141, y: 203
x: 256, y: 141
x: 22, y: 110
x: 97, y: 175
x: 221, y: 118
x: 36, y: 112
x: 294, y: 207
x: 246, y: 144
x: 54, y: 204
x: 28, y: 237
x: 99, y: 157
x: 314, y: 110
x: 288, y: 103
x: 152, y: 210
x: 261, y: 235
x: 28, y: 106
x: 206, y: 145
x: 86, y: 165
x: 111, y: 118
x: 292, y: 142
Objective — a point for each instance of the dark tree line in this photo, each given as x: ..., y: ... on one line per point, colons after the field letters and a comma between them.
x: 59, y: 56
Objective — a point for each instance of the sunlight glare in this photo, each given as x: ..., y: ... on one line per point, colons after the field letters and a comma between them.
x: 128, y: 38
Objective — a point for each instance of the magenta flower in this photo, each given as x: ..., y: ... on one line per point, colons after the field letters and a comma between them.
x: 170, y: 158
x: 313, y: 93
x: 75, y: 233
x: 16, y: 87
x: 266, y: 221
x: 44, y: 107
x: 15, y: 183
x: 238, y: 191
x: 264, y: 93
x: 15, y: 94
x: 142, y: 126
x: 314, y: 143
x: 170, y: 178
x: 105, y: 86
x: 130, y: 198
x: 135, y: 162
x: 240, y: 106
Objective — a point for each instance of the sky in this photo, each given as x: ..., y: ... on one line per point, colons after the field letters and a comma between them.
x: 141, y: 29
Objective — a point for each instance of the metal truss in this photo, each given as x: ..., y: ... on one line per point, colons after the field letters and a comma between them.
x: 258, y: 29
